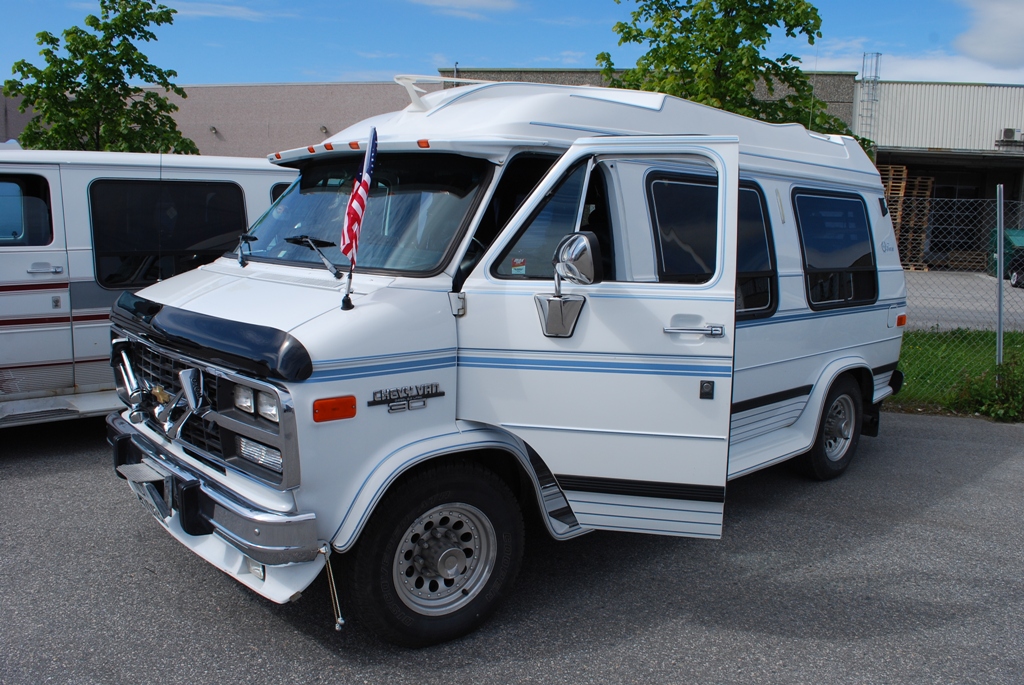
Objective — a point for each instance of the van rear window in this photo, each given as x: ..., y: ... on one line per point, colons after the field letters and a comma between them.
x: 838, y: 259
x: 145, y: 231
x: 24, y: 211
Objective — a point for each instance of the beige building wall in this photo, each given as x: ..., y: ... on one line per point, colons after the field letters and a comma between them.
x: 260, y: 119
x: 562, y: 77
x: 257, y: 120
x: 12, y: 122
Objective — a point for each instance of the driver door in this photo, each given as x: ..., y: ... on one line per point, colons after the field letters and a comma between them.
x: 630, y: 410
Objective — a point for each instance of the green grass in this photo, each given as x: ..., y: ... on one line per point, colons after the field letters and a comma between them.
x: 934, y: 363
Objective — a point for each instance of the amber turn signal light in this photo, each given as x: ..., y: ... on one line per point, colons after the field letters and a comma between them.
x: 334, y: 408
x: 901, y: 320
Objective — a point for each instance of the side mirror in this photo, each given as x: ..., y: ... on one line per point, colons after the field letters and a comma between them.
x: 577, y: 260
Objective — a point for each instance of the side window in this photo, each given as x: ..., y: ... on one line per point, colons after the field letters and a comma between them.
x: 24, y: 211
x: 520, y: 177
x: 756, y: 289
x: 530, y: 253
x: 278, y: 190
x: 685, y: 214
x: 144, y: 231
x: 838, y: 259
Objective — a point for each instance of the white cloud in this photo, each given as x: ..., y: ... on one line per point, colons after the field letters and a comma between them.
x: 387, y: 76
x: 564, y: 58
x: 947, y: 68
x: 997, y: 34
x: 441, y: 61
x: 212, y: 9
x: 934, y: 66
x: 469, y: 9
x: 575, y: 22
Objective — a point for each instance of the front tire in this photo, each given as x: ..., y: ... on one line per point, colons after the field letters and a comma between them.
x: 437, y: 555
x: 1017, y: 278
x: 838, y: 431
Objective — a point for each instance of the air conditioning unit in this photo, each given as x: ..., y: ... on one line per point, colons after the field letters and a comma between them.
x: 1008, y: 134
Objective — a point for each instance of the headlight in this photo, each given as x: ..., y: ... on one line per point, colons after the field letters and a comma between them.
x: 266, y: 406
x: 244, y: 399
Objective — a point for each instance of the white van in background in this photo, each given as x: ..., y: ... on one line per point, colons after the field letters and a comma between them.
x: 79, y: 228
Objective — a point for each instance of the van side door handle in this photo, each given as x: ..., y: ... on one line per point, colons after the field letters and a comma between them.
x: 715, y: 330
x: 47, y: 269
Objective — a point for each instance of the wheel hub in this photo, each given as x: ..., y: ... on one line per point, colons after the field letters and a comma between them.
x: 444, y: 559
x: 441, y: 555
x: 839, y: 428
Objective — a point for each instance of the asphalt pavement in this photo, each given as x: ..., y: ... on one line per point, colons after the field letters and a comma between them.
x: 908, y: 569
x: 948, y: 300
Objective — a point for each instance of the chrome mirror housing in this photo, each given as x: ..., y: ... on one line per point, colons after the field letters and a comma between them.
x: 577, y: 259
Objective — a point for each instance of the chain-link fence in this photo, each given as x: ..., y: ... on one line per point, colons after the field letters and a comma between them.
x: 948, y: 249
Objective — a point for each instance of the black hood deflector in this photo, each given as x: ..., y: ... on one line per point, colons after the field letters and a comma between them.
x: 260, y: 351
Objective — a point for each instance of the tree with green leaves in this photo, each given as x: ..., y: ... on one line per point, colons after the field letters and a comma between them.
x: 84, y: 98
x: 713, y: 52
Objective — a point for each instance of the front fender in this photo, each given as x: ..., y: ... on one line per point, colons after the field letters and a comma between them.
x: 554, y: 508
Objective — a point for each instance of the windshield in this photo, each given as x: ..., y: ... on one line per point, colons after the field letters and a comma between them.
x: 417, y: 204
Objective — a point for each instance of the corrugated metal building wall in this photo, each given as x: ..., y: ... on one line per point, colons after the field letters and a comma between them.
x: 948, y: 116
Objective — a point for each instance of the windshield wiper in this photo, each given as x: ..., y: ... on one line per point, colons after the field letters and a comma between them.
x: 315, y: 244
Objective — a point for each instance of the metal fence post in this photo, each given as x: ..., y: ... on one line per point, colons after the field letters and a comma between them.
x: 1000, y: 273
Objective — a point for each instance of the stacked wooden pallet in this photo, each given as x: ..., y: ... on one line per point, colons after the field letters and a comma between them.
x: 966, y: 260
x: 914, y: 213
x: 909, y: 208
x: 919, y: 186
x: 894, y: 179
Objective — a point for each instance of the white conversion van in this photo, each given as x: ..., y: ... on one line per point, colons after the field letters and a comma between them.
x: 79, y: 228
x: 597, y: 304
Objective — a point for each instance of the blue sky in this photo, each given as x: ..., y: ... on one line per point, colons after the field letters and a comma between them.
x: 276, y: 41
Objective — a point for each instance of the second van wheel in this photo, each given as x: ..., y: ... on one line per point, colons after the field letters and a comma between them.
x: 838, y: 431
x: 1017, y: 278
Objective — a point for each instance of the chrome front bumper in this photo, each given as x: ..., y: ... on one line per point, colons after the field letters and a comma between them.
x: 172, y: 490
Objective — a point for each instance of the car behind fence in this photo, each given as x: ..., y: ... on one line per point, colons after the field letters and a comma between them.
x: 948, y: 248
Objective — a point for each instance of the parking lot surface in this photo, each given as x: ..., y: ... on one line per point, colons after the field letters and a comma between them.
x: 947, y: 300
x: 909, y: 569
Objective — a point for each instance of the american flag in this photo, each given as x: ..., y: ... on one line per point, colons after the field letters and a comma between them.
x: 357, y: 203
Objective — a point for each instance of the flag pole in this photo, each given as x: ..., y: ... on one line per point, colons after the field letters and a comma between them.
x: 354, y: 215
x: 346, y: 302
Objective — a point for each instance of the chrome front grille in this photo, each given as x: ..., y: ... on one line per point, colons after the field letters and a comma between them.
x: 159, y: 370
x: 208, y: 424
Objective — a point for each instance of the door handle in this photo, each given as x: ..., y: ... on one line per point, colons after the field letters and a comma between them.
x: 714, y: 330
x: 46, y: 270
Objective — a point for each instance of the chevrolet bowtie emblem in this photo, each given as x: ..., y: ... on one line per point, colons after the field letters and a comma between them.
x: 161, y: 395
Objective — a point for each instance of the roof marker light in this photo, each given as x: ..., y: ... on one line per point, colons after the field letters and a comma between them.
x: 328, y: 147
x: 310, y: 148
x: 354, y: 144
x: 277, y: 155
x: 424, y: 143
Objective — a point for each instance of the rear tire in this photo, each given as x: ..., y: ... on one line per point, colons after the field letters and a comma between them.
x: 1017, y: 279
x: 436, y: 557
x: 838, y: 431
